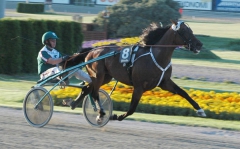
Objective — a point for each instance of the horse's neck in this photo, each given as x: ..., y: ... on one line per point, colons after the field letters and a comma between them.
x: 163, y: 54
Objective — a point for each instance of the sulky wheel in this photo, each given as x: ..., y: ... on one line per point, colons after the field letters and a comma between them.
x: 38, y: 115
x: 91, y: 115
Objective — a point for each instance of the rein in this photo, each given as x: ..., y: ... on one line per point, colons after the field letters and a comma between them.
x: 72, y: 57
x: 168, y: 46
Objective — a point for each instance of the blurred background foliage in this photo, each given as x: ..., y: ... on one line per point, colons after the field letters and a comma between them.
x: 129, y: 18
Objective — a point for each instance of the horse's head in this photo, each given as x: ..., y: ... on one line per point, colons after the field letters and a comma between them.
x: 186, y: 36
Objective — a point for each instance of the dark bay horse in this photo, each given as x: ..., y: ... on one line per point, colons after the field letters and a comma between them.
x: 150, y: 68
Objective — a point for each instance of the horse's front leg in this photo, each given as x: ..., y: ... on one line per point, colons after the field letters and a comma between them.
x: 169, y: 85
x: 136, y: 96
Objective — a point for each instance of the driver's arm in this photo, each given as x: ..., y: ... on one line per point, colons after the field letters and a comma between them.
x: 54, y: 61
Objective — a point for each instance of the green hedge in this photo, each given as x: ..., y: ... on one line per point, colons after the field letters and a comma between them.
x: 28, y: 48
x: 78, y: 40
x: 10, y: 50
x: 66, y: 37
x: 30, y: 8
x: 19, y: 55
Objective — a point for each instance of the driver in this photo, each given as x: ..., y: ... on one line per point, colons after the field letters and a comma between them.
x: 49, y: 58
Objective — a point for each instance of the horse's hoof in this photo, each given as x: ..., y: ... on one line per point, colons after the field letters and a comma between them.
x: 120, y: 118
x: 72, y: 105
x: 99, y: 119
x: 73, y: 108
x: 201, y: 113
x: 113, y: 117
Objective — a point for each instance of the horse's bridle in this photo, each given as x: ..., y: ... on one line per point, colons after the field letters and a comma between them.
x: 187, y: 41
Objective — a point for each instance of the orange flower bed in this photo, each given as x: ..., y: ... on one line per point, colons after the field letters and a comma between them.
x: 215, y: 102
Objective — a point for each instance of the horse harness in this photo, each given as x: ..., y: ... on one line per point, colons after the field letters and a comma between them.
x: 127, y: 57
x: 128, y: 54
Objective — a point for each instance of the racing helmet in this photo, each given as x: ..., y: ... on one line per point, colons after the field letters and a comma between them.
x: 48, y: 35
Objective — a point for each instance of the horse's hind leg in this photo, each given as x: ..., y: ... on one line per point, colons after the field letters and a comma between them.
x: 169, y: 85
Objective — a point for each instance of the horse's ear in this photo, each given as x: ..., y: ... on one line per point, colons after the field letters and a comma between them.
x: 173, y: 22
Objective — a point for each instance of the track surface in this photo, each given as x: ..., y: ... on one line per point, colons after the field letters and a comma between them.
x: 72, y: 131
x: 208, y: 73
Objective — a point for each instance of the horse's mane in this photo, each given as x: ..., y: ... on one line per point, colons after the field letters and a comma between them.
x: 152, y: 34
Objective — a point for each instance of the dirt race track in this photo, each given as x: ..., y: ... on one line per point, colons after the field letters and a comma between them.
x: 72, y: 131
x: 208, y: 73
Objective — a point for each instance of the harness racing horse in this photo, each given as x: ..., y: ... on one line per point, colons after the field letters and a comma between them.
x: 150, y: 68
